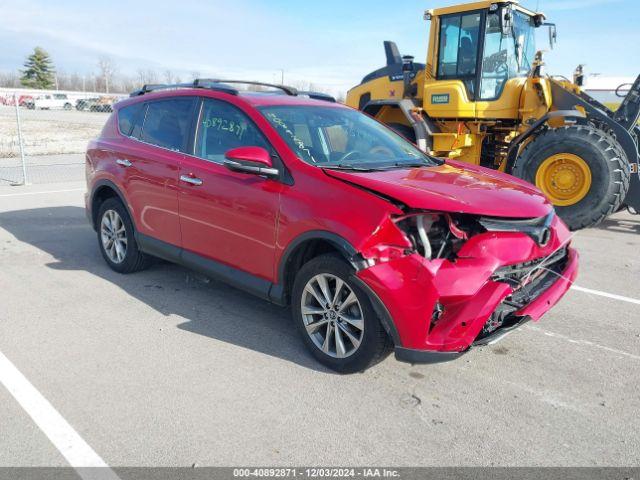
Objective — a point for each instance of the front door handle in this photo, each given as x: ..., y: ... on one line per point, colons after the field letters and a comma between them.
x: 124, y: 162
x: 192, y: 180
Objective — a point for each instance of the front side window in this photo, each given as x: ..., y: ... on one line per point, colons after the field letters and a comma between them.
x: 223, y: 127
x: 458, y: 48
x: 167, y: 123
x: 341, y: 138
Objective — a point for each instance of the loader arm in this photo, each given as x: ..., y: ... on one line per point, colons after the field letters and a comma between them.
x: 625, y: 133
x: 628, y: 112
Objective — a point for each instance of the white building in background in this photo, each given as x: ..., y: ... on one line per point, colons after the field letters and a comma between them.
x: 603, y: 88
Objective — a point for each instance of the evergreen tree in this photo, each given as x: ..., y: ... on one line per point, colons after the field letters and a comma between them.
x: 39, y: 71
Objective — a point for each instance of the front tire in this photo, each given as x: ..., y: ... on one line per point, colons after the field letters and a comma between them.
x: 116, y: 238
x: 582, y: 170
x: 335, y: 318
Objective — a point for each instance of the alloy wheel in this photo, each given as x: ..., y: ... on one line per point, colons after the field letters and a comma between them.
x: 114, y: 236
x: 332, y: 315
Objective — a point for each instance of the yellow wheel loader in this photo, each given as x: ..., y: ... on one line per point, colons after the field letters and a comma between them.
x: 482, y: 98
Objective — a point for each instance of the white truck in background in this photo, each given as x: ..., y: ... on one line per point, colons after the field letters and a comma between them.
x: 52, y: 101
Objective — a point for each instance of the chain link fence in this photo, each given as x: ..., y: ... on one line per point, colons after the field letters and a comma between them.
x: 44, y: 134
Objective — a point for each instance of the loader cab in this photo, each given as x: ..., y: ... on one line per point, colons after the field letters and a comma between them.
x: 481, y: 58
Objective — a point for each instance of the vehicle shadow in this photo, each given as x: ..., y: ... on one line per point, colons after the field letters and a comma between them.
x: 622, y: 224
x: 211, y: 308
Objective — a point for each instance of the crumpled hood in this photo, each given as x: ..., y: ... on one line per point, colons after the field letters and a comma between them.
x: 454, y: 187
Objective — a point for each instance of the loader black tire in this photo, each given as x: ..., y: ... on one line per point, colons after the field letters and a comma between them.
x: 608, y: 165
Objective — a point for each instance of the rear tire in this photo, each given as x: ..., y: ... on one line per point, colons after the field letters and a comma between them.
x: 343, y: 355
x: 608, y: 169
x: 116, y: 238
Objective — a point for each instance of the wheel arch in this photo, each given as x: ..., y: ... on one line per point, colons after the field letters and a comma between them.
x: 302, y: 249
x: 515, y: 146
x: 103, y: 190
x: 312, y: 244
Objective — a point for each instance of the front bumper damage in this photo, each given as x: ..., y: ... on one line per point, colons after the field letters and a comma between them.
x: 436, y: 310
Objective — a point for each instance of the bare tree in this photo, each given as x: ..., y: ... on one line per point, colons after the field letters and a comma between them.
x: 9, y: 79
x: 170, y: 78
x: 147, y: 76
x: 107, y: 70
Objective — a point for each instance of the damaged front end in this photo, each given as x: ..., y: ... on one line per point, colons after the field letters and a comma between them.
x: 457, y: 280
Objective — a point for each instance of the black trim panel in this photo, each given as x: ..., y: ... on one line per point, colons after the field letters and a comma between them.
x: 425, y: 356
x: 501, y: 332
x: 381, y: 311
x: 158, y: 248
x: 232, y: 276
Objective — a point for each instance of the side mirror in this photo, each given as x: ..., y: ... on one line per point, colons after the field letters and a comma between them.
x: 255, y: 160
x: 553, y: 35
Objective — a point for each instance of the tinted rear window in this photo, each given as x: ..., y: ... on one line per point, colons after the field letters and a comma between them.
x: 167, y: 123
x: 130, y: 116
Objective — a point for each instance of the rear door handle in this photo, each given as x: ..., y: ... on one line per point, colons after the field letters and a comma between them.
x: 124, y: 162
x: 192, y: 180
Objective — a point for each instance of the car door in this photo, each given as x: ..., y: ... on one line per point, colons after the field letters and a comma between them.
x: 150, y: 159
x: 227, y: 216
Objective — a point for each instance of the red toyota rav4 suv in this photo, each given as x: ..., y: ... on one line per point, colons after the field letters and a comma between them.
x: 311, y: 204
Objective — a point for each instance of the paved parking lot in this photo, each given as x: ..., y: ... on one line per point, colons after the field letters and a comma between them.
x: 166, y: 367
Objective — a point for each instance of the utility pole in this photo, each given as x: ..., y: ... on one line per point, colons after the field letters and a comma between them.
x: 281, y: 77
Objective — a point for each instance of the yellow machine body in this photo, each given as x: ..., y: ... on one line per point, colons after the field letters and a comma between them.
x: 463, y: 122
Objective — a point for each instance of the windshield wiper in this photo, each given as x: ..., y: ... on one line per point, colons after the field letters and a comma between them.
x: 401, y: 165
x: 346, y: 166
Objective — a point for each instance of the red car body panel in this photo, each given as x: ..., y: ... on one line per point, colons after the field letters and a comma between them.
x: 151, y: 183
x: 252, y: 223
x: 220, y: 221
x: 451, y: 188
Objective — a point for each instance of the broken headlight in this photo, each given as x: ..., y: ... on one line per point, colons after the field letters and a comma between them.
x: 437, y: 235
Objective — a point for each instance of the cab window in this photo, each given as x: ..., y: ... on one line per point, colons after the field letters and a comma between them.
x: 223, y: 127
x: 506, y: 56
x: 458, y: 48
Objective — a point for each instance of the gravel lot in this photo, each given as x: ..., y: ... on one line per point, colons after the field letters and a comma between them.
x: 166, y: 367
x: 54, y: 143
x: 48, y: 132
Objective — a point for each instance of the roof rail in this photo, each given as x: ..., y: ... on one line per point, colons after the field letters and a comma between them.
x: 288, y: 90
x: 153, y: 87
x: 211, y: 84
x: 318, y: 96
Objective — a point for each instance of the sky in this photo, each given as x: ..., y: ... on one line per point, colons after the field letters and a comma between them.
x: 330, y: 43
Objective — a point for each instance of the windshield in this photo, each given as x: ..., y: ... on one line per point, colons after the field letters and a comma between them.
x: 342, y: 138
